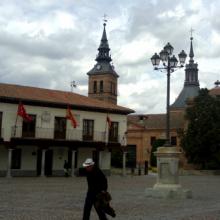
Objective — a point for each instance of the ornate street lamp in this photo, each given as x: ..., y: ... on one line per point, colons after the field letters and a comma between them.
x: 167, y: 184
x: 170, y: 64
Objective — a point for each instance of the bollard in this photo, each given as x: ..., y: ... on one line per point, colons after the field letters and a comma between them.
x: 139, y: 170
x: 146, y: 167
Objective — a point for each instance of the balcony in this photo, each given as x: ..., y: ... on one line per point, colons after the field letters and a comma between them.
x: 49, y: 133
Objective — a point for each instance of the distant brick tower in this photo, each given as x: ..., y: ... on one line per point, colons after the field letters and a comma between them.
x: 103, y: 80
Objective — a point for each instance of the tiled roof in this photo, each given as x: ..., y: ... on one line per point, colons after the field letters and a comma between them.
x: 215, y: 91
x: 188, y: 92
x: 158, y: 121
x: 56, y: 98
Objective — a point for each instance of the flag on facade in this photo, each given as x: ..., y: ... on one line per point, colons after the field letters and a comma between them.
x: 70, y: 116
x: 22, y: 112
x: 109, y: 121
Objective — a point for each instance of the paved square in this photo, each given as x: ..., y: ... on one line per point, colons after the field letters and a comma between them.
x: 62, y: 198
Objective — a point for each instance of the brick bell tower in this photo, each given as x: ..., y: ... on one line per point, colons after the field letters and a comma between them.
x: 103, y: 80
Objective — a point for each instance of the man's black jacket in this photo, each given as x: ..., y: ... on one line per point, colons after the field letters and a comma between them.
x: 97, y: 181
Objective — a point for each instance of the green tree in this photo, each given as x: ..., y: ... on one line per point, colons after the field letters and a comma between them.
x: 201, y: 140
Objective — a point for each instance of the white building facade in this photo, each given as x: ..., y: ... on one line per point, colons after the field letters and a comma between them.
x: 40, y: 147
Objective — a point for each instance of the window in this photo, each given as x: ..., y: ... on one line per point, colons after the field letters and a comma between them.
x: 152, y: 140
x: 60, y: 128
x: 0, y: 124
x: 88, y: 129
x: 113, y: 88
x: 94, y: 86
x: 173, y: 140
x: 113, y: 132
x: 101, y: 86
x: 16, y: 159
x: 28, y: 127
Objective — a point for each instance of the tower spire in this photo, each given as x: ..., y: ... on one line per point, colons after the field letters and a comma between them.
x: 191, y: 53
x: 191, y: 71
x: 104, y: 49
x: 191, y: 84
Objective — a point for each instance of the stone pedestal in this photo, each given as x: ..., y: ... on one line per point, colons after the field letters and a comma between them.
x: 167, y: 185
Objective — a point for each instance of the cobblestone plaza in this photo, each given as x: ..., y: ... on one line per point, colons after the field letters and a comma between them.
x: 63, y: 198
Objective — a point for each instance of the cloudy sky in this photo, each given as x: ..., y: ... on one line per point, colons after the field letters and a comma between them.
x: 49, y: 43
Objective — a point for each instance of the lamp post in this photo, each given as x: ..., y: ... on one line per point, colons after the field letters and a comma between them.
x: 167, y: 184
x: 170, y: 65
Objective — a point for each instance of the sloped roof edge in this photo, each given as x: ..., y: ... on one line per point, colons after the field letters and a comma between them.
x: 55, y: 98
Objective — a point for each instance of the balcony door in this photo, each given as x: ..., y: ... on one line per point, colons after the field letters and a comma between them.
x: 113, y: 132
x: 29, y: 127
x: 60, y: 128
x: 88, y: 129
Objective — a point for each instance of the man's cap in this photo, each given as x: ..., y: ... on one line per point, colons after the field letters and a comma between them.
x: 88, y: 162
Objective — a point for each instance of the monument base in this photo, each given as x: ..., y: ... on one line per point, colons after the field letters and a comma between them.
x: 167, y: 185
x: 168, y: 191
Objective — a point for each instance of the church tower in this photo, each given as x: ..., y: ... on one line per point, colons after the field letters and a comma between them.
x: 191, y: 84
x: 103, y: 80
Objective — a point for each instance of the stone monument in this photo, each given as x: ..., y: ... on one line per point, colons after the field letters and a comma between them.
x: 167, y: 185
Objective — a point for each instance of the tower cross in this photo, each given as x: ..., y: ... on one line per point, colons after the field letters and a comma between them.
x: 217, y: 83
x: 191, y: 33
x: 105, y: 18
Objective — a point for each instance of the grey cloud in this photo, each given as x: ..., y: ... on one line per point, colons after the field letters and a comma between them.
x: 56, y: 46
x: 144, y: 19
x: 40, y: 72
x: 146, y: 102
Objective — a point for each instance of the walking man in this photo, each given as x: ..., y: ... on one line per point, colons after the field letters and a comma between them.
x: 97, y: 183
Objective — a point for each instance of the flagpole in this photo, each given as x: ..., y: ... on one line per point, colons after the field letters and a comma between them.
x: 70, y: 116
x: 16, y: 121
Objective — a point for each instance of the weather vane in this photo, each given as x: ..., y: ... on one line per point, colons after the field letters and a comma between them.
x: 73, y: 85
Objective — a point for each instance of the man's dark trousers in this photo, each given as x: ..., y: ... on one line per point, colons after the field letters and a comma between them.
x: 89, y: 202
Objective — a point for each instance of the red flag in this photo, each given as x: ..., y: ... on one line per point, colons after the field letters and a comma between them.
x: 109, y: 121
x: 70, y: 116
x: 22, y: 112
